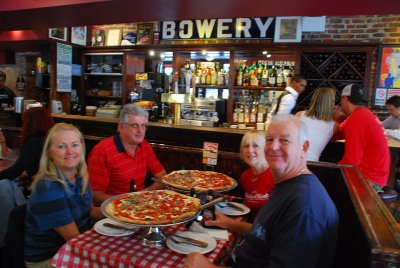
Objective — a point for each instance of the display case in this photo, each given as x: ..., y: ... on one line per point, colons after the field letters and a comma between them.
x: 103, y: 79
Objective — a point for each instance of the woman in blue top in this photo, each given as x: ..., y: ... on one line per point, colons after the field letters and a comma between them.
x: 60, y: 206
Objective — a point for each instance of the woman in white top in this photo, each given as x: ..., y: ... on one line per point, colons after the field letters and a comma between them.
x: 319, y: 121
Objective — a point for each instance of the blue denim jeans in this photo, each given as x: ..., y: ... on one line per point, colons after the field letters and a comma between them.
x: 10, y: 197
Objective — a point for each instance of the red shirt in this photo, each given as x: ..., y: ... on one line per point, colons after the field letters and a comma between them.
x: 111, y: 168
x: 366, y: 145
x: 257, y: 188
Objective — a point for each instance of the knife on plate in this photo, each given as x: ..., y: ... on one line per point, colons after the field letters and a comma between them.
x: 233, y: 206
x: 117, y: 227
x: 192, y: 241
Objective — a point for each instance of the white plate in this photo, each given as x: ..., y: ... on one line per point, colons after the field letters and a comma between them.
x: 101, y: 229
x: 231, y: 211
x: 187, y: 248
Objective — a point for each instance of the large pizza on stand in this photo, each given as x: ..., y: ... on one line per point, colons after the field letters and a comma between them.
x: 151, y: 207
x: 201, y: 181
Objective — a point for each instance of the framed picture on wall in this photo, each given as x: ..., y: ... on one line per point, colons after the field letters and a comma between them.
x: 387, y: 76
x: 79, y: 35
x: 287, y: 30
x: 58, y: 33
x: 145, y: 33
x: 113, y: 37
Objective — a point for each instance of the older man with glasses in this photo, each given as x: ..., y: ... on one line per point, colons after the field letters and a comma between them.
x: 119, y: 164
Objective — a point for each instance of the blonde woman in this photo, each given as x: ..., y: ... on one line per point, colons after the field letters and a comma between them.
x: 61, y: 201
x: 319, y: 121
x: 257, y: 182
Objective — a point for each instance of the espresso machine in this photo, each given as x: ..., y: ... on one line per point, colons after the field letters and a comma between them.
x: 203, y: 112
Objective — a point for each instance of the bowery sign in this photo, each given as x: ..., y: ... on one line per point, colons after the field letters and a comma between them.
x: 218, y: 28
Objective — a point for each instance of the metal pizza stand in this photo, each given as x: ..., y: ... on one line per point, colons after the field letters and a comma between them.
x: 155, y: 236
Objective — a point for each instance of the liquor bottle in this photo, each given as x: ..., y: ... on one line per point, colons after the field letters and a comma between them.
x: 272, y: 77
x: 198, y: 74
x: 254, y: 111
x: 259, y: 73
x: 241, y: 110
x: 246, y: 76
x: 264, y: 77
x: 239, y: 76
x: 236, y: 112
x: 221, y: 78
x: 186, y: 65
x: 253, y: 75
x: 246, y: 109
x: 208, y: 77
x: 261, y: 108
x: 279, y: 77
x: 203, y: 77
x: 213, y: 74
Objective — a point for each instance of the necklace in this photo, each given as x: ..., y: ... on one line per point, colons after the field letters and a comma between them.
x: 301, y: 171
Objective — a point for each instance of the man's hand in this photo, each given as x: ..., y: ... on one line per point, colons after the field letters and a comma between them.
x: 221, y: 221
x: 240, y: 227
x: 197, y: 260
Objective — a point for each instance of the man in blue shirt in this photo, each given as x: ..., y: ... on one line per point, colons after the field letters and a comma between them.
x: 297, y: 227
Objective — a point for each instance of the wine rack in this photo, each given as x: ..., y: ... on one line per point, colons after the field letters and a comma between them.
x: 332, y: 69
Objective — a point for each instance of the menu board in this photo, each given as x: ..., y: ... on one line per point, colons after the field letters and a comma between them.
x: 64, y: 68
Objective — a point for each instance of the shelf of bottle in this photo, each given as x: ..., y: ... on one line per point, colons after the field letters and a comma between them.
x: 260, y: 88
x: 105, y: 74
x: 210, y: 86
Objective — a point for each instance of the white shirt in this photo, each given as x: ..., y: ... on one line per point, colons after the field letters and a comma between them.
x: 319, y: 134
x: 288, y: 101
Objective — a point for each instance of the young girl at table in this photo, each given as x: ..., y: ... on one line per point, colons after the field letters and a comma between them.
x: 61, y: 201
x: 256, y: 182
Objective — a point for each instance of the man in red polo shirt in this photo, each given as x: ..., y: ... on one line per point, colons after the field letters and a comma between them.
x: 365, y: 143
x: 119, y: 161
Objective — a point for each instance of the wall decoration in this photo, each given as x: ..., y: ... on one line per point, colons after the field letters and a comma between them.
x: 58, y: 33
x: 144, y: 33
x: 79, y: 35
x: 387, y: 77
x: 113, y: 37
x: 287, y: 30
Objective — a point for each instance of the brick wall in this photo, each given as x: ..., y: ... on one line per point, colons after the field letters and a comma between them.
x: 382, y: 29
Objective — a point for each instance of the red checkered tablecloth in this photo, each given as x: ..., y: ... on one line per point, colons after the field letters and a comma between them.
x: 91, y: 249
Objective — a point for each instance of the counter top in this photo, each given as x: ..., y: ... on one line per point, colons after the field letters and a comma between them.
x: 156, y: 124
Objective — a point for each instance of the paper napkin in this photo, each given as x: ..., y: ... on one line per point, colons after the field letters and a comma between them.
x: 215, y: 233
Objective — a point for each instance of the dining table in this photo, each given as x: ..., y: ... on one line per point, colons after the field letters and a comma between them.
x: 92, y: 249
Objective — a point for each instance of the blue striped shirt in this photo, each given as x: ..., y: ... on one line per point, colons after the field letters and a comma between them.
x: 52, y: 205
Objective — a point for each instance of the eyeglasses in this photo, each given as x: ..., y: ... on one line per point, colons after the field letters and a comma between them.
x: 136, y: 126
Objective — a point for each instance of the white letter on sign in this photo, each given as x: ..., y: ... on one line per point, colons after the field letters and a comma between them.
x: 168, y: 31
x: 263, y: 27
x: 243, y: 25
x: 205, y: 29
x: 221, y: 27
x: 186, y: 29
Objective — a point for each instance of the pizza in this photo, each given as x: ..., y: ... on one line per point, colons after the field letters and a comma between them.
x: 152, y: 207
x: 199, y: 180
